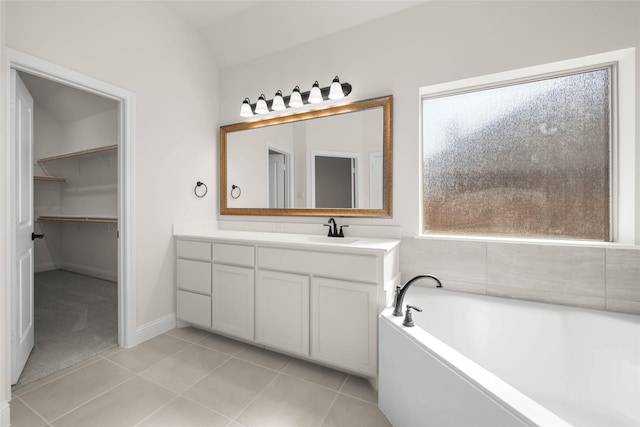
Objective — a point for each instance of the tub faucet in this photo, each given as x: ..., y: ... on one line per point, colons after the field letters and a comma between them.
x: 408, y: 319
x: 401, y: 291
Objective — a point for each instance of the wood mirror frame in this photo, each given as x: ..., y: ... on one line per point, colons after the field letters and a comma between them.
x: 386, y: 102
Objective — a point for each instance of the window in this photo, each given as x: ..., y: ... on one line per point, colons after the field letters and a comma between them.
x: 532, y: 156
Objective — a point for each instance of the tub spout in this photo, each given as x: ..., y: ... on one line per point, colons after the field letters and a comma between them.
x: 401, y: 291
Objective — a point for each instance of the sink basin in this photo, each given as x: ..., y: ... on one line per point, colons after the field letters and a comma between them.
x: 335, y: 240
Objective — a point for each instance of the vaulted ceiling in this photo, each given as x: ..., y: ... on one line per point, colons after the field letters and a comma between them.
x: 235, y: 32
x: 239, y: 31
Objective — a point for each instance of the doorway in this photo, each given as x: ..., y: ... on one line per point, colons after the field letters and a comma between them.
x: 334, y: 180
x: 280, y: 177
x: 74, y: 217
x: 121, y: 225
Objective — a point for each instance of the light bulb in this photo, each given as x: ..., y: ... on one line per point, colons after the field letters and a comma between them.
x: 261, y: 105
x: 296, y: 99
x: 245, y: 110
x: 278, y: 102
x: 335, y: 91
x: 315, y: 96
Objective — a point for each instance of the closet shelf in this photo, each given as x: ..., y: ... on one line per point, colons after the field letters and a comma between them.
x: 77, y: 218
x: 79, y: 153
x: 49, y: 179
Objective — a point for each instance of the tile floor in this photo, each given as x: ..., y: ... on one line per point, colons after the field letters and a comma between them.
x: 188, y: 377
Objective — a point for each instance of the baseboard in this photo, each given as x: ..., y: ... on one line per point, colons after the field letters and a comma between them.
x: 48, y: 266
x: 155, y: 328
x: 112, y: 276
x: 5, y: 419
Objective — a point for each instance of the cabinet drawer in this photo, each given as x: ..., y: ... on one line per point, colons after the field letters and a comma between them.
x: 233, y: 254
x: 362, y: 268
x: 194, y: 308
x: 194, y: 250
x: 194, y: 276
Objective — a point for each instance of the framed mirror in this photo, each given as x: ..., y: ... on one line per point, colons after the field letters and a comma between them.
x: 331, y: 162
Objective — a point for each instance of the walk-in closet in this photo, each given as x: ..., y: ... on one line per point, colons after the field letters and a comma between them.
x: 75, y: 159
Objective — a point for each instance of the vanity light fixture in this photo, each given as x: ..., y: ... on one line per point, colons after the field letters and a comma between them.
x: 261, y: 105
x: 278, y: 102
x: 335, y: 90
x: 245, y: 110
x: 315, y: 96
x: 297, y: 99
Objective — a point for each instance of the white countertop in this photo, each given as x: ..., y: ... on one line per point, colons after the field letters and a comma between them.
x: 302, y: 240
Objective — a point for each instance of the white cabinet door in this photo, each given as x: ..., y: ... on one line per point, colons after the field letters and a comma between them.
x: 344, y: 324
x: 232, y: 300
x: 282, y: 311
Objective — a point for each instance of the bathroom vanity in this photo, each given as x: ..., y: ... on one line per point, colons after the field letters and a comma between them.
x: 313, y: 297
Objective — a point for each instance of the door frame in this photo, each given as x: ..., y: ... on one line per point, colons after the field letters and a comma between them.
x: 126, y: 243
x: 288, y: 153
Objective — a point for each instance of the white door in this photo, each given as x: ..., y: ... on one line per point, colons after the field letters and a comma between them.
x: 277, y: 180
x: 22, y: 226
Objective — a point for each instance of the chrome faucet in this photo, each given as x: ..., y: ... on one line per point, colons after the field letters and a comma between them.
x: 401, y: 291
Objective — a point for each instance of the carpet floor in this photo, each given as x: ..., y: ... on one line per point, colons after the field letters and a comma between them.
x: 76, y: 317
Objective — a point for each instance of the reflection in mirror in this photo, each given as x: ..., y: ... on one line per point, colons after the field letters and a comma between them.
x: 335, y: 161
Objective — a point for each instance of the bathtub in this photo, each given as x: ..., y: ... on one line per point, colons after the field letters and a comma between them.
x: 476, y: 360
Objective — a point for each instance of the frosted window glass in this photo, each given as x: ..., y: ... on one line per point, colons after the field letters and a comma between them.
x: 523, y: 160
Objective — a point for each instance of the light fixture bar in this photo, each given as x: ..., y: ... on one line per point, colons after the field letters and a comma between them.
x: 346, y: 89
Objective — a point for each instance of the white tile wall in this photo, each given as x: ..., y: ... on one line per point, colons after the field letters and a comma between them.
x: 462, y: 265
x: 623, y: 280
x: 597, y: 278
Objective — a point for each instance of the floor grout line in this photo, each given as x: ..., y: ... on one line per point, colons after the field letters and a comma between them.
x: 202, y: 405
x: 72, y: 369
x: 32, y: 409
x: 255, y: 397
x: 335, y: 399
x: 92, y: 399
x: 157, y: 410
x: 341, y: 390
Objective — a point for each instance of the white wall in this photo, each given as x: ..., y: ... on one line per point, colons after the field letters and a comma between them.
x: 47, y: 135
x: 434, y: 43
x: 247, y: 165
x: 439, y: 42
x: 98, y: 130
x: 143, y: 48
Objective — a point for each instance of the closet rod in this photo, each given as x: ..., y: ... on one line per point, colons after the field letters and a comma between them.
x: 78, y: 219
x: 79, y: 153
x: 49, y: 178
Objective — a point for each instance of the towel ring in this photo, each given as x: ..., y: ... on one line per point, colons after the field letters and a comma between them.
x: 202, y: 194
x: 235, y: 191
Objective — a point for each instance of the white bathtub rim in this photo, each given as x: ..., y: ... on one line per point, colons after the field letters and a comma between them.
x: 508, y: 397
